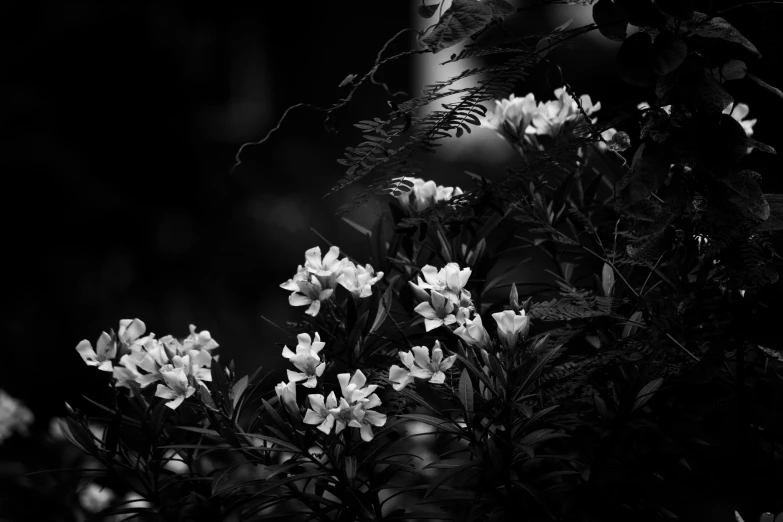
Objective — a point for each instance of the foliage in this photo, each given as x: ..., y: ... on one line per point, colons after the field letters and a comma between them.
x: 626, y: 385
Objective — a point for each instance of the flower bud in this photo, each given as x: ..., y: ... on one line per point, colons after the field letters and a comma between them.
x: 473, y: 333
x: 287, y: 395
x: 511, y: 326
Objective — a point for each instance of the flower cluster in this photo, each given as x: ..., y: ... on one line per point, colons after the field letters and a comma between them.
x: 447, y: 301
x: 317, y: 280
x: 424, y: 194
x: 353, y: 409
x: 14, y: 416
x: 514, y: 119
x: 181, y: 366
x: 420, y: 365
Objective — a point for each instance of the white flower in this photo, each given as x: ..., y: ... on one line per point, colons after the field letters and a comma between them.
x: 199, y: 341
x: 286, y: 392
x: 512, y: 117
x: 450, y: 281
x: 739, y: 111
x: 353, y: 387
x: 550, y: 117
x: 474, y: 333
x: 14, y: 416
x: 420, y: 365
x: 318, y: 413
x: 327, y: 268
x: 438, y: 313
x: 307, y: 293
x: 345, y: 414
x: 432, y: 369
x: 368, y: 418
x: 358, y: 415
x: 306, y: 359
x: 424, y: 194
x: 510, y: 326
x: 176, y: 388
x: 358, y: 279
x: 130, y: 330
x: 401, y: 377
x: 106, y: 350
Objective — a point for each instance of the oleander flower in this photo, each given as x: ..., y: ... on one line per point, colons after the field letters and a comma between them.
x: 511, y: 326
x: 424, y: 194
x: 739, y: 111
x: 432, y: 369
x: 176, y: 388
x: 306, y: 359
x: 353, y: 388
x: 286, y: 392
x: 552, y: 116
x: 512, y: 117
x: 199, y: 340
x: 344, y: 414
x: 450, y: 281
x: 318, y: 413
x: 419, y: 364
x: 105, y: 351
x: 474, y: 333
x: 437, y: 313
x: 14, y: 416
x: 130, y: 330
x: 358, y: 279
x: 368, y: 418
x: 307, y: 290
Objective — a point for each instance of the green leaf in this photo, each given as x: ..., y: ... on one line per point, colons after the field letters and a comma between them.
x: 634, y: 60
x: 646, y: 393
x: 350, y: 467
x: 460, y: 467
x: 238, y: 389
x: 535, y: 371
x: 542, y: 435
x: 458, y: 22
x: 630, y: 328
x: 384, y: 305
x: 731, y: 70
x: 466, y: 393
x: 775, y: 220
x: 427, y: 11
x: 717, y: 27
x: 748, y: 196
x: 669, y: 51
x: 648, y: 172
x: 607, y: 279
x: 220, y: 387
x: 611, y: 19
x: 433, y: 421
x: 424, y: 389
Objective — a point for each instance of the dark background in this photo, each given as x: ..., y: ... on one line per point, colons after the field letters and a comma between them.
x: 121, y: 125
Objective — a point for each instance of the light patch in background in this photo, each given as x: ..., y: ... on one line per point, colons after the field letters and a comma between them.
x: 428, y: 70
x: 247, y: 110
x: 175, y: 234
x: 279, y: 217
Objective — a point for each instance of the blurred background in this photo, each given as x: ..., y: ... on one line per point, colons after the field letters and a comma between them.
x: 122, y: 121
